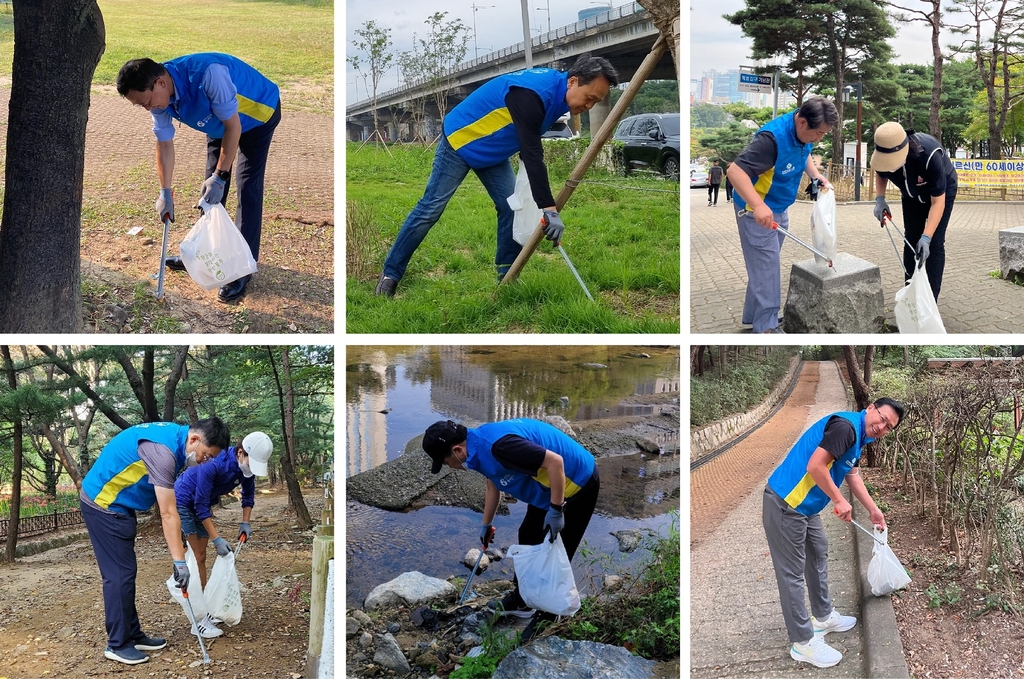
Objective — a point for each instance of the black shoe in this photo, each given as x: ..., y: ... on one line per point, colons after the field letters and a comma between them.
x: 386, y: 286
x: 174, y: 264
x: 235, y: 290
x: 511, y: 604
x: 539, y: 621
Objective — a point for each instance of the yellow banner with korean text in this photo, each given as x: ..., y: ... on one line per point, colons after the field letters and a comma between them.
x: 989, y: 173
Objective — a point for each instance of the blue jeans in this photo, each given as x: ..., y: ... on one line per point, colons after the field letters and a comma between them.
x: 761, y: 249
x: 446, y: 175
x: 190, y: 524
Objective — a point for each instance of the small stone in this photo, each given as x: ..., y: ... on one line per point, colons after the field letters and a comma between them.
x: 351, y: 627
x: 494, y: 554
x: 394, y: 627
x: 147, y: 241
x: 126, y: 257
x: 470, y: 560
x: 612, y: 582
x: 362, y: 617
x: 365, y: 639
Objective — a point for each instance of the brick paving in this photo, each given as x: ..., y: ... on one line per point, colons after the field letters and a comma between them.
x: 971, y: 300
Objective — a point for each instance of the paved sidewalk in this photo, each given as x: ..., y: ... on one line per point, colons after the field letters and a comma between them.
x: 736, y: 624
x: 971, y: 301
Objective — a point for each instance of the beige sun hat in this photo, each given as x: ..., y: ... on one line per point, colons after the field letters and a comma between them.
x: 891, y: 147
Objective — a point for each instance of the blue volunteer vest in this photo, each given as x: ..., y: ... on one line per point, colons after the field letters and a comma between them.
x: 779, y: 185
x: 534, y: 490
x: 792, y: 483
x: 119, y: 480
x: 480, y: 128
x: 257, y: 96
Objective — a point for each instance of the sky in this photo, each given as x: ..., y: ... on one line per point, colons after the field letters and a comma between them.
x: 499, y: 23
x: 719, y: 45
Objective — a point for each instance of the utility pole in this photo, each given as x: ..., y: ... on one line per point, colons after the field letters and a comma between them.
x: 477, y: 8
x: 548, y: 10
x: 527, y: 40
x: 847, y: 92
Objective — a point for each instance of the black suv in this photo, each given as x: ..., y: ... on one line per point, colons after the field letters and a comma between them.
x: 651, y: 143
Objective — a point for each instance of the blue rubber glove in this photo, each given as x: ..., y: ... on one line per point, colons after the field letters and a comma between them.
x: 486, y: 535
x: 165, y: 205
x: 553, y: 226
x: 181, y: 575
x: 881, y: 207
x: 923, y: 249
x: 244, y: 529
x: 213, y: 190
x: 222, y: 546
x: 554, y: 521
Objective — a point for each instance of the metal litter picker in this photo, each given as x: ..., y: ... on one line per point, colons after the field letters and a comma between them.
x: 785, y: 232
x: 195, y: 626
x: 465, y: 590
x: 163, y: 257
x: 886, y: 221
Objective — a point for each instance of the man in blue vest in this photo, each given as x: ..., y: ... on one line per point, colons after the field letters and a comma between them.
x: 505, y: 115
x: 134, y: 470
x: 199, y: 488
x: 236, y: 107
x: 799, y: 488
x: 535, y: 463
x: 765, y: 179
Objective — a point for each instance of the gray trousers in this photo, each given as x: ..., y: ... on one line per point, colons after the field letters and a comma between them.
x: 799, y: 550
x: 761, y: 249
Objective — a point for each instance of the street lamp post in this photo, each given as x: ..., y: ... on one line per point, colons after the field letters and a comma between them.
x: 548, y: 10
x: 477, y: 8
x: 847, y: 92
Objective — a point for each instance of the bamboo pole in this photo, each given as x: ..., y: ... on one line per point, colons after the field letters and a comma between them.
x: 603, y: 135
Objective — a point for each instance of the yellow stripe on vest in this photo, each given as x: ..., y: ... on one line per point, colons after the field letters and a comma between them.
x: 764, y: 182
x: 481, y: 127
x: 799, y: 494
x: 254, y: 109
x: 129, y: 477
x: 542, y: 478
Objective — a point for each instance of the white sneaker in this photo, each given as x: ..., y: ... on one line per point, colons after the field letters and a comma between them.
x: 816, y: 652
x: 833, y: 623
x: 207, y: 628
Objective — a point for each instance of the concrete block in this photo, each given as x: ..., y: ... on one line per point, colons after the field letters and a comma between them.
x: 844, y: 299
x: 1011, y: 252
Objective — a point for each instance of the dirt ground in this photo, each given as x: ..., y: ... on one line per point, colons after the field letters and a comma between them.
x: 960, y: 640
x: 293, y: 290
x: 51, y: 606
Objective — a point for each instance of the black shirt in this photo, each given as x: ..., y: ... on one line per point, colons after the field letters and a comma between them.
x: 527, y: 111
x: 759, y: 156
x: 928, y: 171
x: 518, y: 454
x: 838, y: 437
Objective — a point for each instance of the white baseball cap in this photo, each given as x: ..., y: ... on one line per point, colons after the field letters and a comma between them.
x: 259, y: 447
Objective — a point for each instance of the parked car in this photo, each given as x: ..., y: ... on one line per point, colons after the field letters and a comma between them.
x: 560, y: 130
x: 651, y: 143
x: 698, y: 177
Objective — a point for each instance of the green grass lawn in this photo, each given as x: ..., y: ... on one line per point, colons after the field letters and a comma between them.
x: 621, y: 234
x: 289, y: 41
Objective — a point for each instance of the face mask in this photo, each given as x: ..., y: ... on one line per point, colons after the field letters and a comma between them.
x: 190, y: 459
x: 246, y: 472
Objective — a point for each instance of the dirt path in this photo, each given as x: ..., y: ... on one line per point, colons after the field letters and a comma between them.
x: 294, y: 288
x: 51, y: 607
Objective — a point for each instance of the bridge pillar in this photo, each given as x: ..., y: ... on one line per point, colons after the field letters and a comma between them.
x: 599, y: 113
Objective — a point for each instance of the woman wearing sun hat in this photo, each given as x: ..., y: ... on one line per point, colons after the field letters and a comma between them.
x: 919, y: 166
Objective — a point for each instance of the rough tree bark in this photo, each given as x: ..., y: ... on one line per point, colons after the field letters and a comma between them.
x: 295, y: 499
x: 57, y: 45
x: 11, y: 550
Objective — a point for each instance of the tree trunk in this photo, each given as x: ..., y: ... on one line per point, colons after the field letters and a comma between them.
x: 860, y: 387
x: 56, y: 48
x: 65, y: 457
x: 171, y: 386
x: 295, y: 499
x: 11, y: 550
x: 289, y: 406
x: 934, y: 122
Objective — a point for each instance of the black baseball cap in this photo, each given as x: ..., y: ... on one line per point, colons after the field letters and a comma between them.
x: 439, y: 439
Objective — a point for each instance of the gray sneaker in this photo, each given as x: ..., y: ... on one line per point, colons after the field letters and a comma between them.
x: 385, y: 286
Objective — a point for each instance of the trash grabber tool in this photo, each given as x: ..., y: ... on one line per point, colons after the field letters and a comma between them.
x: 886, y: 221
x: 575, y: 272
x: 785, y: 232
x: 241, y: 541
x: 163, y: 258
x: 195, y: 624
x: 869, y: 533
x: 469, y: 580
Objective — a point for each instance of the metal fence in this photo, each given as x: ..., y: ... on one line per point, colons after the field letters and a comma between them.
x: 44, y: 523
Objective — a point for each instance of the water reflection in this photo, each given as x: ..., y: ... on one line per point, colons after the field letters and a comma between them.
x: 392, y: 393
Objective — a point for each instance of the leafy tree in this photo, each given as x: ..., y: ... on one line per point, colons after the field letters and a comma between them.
x: 655, y: 96
x: 375, y: 43
x: 932, y: 16
x: 959, y: 86
x: 705, y: 115
x: 442, y: 50
x: 728, y: 142
x: 741, y: 111
x: 410, y: 65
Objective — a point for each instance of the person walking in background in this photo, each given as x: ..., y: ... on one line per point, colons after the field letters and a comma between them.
x: 728, y: 188
x: 714, y: 181
x: 917, y: 164
x: 800, y: 487
x: 766, y: 177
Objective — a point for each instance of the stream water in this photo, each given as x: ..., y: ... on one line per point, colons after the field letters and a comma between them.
x: 393, y: 393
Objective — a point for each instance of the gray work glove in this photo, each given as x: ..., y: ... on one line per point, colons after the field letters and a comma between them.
x: 213, y: 190
x: 554, y: 521
x: 244, y: 529
x: 881, y: 207
x: 553, y: 226
x: 923, y: 249
x: 486, y: 535
x: 222, y: 546
x: 165, y: 205
x: 181, y: 575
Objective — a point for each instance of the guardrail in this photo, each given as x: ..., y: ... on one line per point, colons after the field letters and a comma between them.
x: 44, y: 523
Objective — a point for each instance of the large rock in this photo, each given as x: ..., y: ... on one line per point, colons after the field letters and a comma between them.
x: 469, y: 561
x: 411, y: 589
x: 557, y: 658
x: 560, y: 423
x: 1011, y: 253
x: 846, y: 299
x: 389, y: 654
x: 630, y: 538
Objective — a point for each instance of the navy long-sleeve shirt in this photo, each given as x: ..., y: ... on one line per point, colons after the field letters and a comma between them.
x: 200, y: 487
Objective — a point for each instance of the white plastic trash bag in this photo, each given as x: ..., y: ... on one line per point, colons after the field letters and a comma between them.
x: 528, y: 215
x: 224, y: 592
x: 214, y: 252
x: 916, y: 310
x: 823, y: 225
x: 545, y: 577
x: 885, y: 572
x: 195, y: 590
